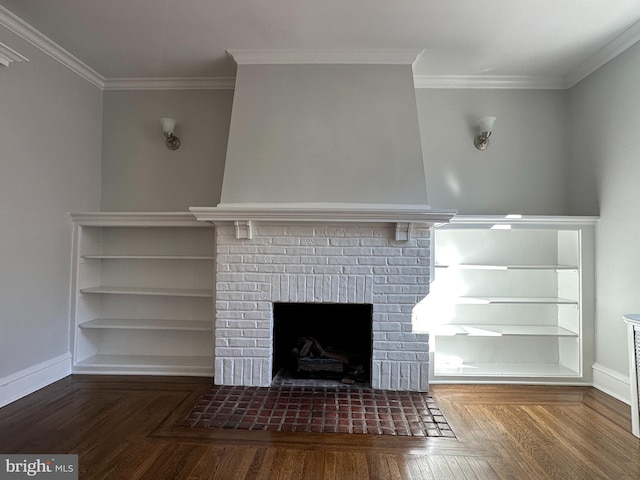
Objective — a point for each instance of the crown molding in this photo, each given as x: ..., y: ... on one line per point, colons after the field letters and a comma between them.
x: 21, y: 28
x: 614, y: 48
x: 9, y: 55
x: 357, y: 57
x: 170, y: 83
x: 524, y: 82
x: 327, y: 57
x: 421, y: 81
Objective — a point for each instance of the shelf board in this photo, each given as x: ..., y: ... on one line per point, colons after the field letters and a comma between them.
x: 137, y: 219
x: 149, y: 324
x: 559, y: 222
x: 150, y: 364
x: 501, y: 330
x: 483, y: 300
x: 504, y: 370
x: 148, y: 257
x: 470, y: 266
x: 169, y: 292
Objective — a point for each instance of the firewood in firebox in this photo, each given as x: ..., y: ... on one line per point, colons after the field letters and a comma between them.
x: 312, y: 356
x: 326, y: 354
x: 306, y: 348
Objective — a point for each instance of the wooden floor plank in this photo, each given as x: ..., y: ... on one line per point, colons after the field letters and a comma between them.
x: 261, y: 464
x: 208, y: 464
x: 347, y: 465
x: 127, y: 428
x: 418, y: 467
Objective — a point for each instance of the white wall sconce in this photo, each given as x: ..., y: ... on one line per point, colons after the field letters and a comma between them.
x: 168, y: 127
x: 486, y: 126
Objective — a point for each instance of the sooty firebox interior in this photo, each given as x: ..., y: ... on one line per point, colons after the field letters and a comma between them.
x: 323, y: 340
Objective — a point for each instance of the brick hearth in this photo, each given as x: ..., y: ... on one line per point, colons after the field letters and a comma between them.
x: 321, y: 410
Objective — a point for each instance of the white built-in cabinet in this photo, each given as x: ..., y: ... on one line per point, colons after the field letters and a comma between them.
x: 142, y: 294
x: 512, y: 300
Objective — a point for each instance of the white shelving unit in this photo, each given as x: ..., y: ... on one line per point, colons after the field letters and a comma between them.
x: 511, y: 300
x: 142, y: 294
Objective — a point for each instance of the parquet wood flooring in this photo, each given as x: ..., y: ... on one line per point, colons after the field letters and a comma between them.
x: 127, y: 428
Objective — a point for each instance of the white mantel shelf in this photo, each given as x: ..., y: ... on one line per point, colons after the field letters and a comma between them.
x: 243, y: 215
x: 318, y: 212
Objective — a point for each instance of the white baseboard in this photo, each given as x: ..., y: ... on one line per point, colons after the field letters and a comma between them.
x: 27, y: 381
x: 20, y: 384
x: 612, y: 383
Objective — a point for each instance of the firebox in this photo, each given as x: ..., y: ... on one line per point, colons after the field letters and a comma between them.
x: 323, y: 340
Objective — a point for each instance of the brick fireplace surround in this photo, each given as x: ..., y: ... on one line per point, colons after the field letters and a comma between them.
x: 379, y: 263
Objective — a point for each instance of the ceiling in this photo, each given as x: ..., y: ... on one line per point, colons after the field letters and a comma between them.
x: 189, y: 38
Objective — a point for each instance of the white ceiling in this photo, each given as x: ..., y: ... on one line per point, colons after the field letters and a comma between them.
x: 188, y: 38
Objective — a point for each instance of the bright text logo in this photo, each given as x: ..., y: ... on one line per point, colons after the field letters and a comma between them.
x: 54, y: 467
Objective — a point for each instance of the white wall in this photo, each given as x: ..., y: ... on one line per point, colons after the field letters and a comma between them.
x: 605, y: 171
x: 139, y: 173
x: 50, y: 142
x: 524, y: 170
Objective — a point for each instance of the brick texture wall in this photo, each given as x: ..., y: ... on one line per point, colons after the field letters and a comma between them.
x: 355, y: 263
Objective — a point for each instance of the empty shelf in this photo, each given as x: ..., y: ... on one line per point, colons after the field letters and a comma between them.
x: 470, y: 266
x: 504, y: 369
x: 148, y: 257
x: 484, y: 300
x: 146, y: 364
x: 501, y: 330
x: 149, y: 324
x: 174, y: 292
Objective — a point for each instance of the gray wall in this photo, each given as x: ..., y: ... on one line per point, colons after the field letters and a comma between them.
x: 524, y: 170
x: 605, y: 169
x: 324, y: 133
x: 139, y: 173
x: 50, y: 133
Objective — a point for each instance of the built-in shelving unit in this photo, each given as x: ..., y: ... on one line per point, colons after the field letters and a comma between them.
x: 143, y: 294
x: 511, y: 300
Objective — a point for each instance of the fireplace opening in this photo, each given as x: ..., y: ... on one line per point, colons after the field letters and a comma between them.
x: 324, y: 341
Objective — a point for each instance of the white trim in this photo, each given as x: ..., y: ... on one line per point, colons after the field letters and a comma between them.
x: 330, y: 57
x: 21, y: 28
x: 24, y: 382
x: 633, y: 321
x: 523, y: 221
x: 607, y: 53
x: 171, y: 83
x: 612, y: 383
x: 8, y: 55
x: 135, y: 219
x: 524, y: 82
x: 322, y: 212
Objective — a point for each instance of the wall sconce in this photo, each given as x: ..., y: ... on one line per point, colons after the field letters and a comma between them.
x: 486, y: 125
x: 168, y: 127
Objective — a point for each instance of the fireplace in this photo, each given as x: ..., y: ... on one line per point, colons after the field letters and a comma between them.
x: 378, y: 256
x: 323, y: 341
x: 324, y: 200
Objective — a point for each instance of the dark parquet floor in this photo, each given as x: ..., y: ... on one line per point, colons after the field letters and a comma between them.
x: 128, y: 428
